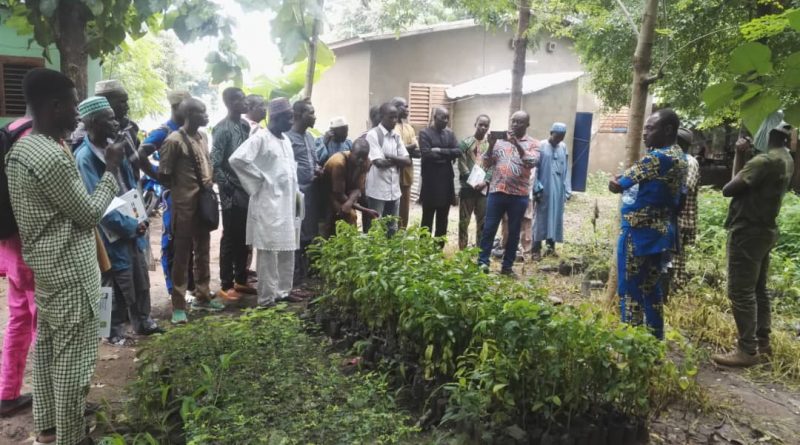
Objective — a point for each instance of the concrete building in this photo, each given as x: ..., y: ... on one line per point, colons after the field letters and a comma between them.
x: 17, y: 57
x: 466, y: 68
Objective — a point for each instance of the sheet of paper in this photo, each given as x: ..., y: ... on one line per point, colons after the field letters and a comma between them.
x: 104, y: 306
x: 116, y: 203
x: 476, y: 177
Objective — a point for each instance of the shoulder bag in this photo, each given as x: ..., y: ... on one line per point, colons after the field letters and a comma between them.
x: 207, y: 213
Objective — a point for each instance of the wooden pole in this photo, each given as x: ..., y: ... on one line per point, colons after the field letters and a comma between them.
x: 316, y: 28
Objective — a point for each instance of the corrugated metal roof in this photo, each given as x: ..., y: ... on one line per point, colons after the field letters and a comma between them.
x: 447, y: 26
x: 500, y: 83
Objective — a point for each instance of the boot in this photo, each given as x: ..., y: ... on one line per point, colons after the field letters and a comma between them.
x: 764, y: 347
x: 736, y: 359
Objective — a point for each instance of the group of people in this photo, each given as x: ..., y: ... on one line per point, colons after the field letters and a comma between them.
x: 659, y: 217
x: 279, y: 188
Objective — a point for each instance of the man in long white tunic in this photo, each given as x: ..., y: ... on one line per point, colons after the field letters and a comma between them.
x: 267, y: 170
x: 554, y: 176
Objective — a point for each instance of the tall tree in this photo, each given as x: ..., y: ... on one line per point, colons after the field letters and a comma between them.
x: 80, y: 29
x: 313, y: 43
x: 520, y: 50
x: 642, y: 64
x: 141, y: 66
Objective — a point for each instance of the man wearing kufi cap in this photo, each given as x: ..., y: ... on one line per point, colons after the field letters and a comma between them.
x: 551, y: 191
x: 152, y: 143
x: 757, y: 191
x: 266, y: 169
x: 335, y: 140
x: 113, y: 90
x: 687, y: 218
x: 123, y: 236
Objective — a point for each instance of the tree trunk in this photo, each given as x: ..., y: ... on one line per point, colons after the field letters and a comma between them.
x: 642, y: 62
x: 312, y: 51
x: 520, y: 49
x: 70, y: 37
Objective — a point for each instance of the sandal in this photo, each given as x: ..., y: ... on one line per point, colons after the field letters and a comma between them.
x: 120, y: 341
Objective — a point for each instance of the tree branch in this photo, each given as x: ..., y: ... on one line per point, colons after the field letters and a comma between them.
x: 630, y: 19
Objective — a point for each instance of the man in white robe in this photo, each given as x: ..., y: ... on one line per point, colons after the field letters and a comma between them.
x: 267, y: 170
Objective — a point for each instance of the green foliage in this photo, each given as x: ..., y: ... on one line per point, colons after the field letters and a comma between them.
x: 508, y: 359
x: 707, y: 258
x: 350, y: 18
x: 762, y: 75
x: 139, y: 64
x: 258, y: 379
x: 694, y: 42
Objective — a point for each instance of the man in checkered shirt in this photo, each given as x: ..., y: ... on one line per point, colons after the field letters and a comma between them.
x: 57, y: 219
x: 687, y: 218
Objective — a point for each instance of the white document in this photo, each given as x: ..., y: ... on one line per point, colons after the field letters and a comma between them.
x: 129, y: 204
x: 477, y: 177
x: 104, y: 313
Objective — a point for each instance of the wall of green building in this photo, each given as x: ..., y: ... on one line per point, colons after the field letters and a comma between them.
x: 14, y: 45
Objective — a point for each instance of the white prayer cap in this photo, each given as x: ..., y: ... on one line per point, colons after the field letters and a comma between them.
x: 338, y: 121
x: 108, y: 86
x: 559, y: 127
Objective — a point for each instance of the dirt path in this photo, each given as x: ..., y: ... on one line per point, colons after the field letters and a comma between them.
x: 743, y: 411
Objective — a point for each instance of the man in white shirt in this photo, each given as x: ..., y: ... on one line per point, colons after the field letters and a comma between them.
x: 388, y: 156
x: 267, y: 170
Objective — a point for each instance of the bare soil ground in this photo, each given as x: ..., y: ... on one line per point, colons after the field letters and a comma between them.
x: 739, y: 411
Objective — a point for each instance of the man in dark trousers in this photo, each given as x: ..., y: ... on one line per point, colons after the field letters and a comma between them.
x: 439, y: 149
x: 308, y: 172
x: 228, y: 135
x: 757, y: 191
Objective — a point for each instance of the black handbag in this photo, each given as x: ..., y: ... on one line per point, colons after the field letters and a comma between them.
x: 207, y: 213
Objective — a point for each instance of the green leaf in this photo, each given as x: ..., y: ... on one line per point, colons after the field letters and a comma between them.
x: 755, y: 110
x: 751, y: 57
x: 792, y: 115
x: 498, y: 387
x: 791, y: 74
x: 556, y: 400
x: 516, y: 433
x: 794, y: 19
x: 719, y: 95
x: 325, y: 56
x: 746, y: 91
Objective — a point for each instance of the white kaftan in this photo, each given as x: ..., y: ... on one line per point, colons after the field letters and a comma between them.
x: 267, y: 170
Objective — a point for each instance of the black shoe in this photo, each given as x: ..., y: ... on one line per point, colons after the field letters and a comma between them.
x: 509, y: 273
x: 10, y: 407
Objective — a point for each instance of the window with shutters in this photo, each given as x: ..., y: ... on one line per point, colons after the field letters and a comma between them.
x: 12, y: 71
x: 422, y: 98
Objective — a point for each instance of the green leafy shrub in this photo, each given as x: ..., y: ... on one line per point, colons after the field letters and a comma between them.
x: 258, y: 379
x: 510, y: 362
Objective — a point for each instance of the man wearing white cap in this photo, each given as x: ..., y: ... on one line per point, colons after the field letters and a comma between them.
x: 757, y: 191
x: 553, y: 174
x: 334, y: 140
x: 267, y: 170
